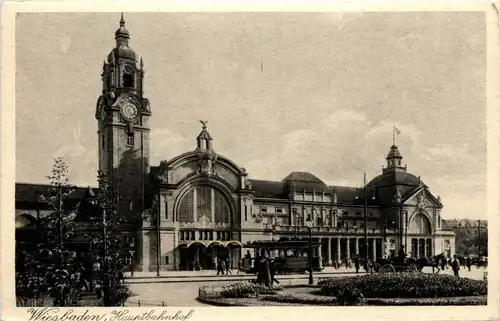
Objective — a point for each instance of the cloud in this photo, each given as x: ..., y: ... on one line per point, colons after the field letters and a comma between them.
x: 166, y: 143
x: 340, y: 148
x: 81, y: 160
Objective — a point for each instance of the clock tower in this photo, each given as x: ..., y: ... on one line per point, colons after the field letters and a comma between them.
x: 123, y: 113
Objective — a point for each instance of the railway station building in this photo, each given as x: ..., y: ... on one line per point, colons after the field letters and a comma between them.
x: 201, y: 205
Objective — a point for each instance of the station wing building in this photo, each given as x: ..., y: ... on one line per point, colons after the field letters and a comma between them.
x: 201, y: 205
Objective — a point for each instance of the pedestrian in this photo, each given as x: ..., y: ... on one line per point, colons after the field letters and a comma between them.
x: 220, y: 267
x: 468, y: 262
x: 356, y: 264
x: 455, y: 265
x: 228, y: 266
x: 443, y: 263
x: 272, y: 271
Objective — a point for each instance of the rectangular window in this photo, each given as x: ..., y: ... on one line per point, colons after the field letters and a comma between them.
x: 279, y: 210
x: 103, y: 142
x: 339, y: 224
x: 345, y: 213
x: 246, y: 213
x: 130, y: 140
x: 263, y: 209
x: 358, y: 213
x: 166, y: 260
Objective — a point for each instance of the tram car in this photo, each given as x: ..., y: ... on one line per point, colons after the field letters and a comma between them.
x: 289, y: 256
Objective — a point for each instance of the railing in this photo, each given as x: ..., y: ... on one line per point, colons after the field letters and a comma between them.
x: 209, y: 291
x: 330, y: 229
x: 142, y: 303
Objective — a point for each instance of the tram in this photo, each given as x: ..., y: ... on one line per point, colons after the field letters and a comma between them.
x: 289, y: 256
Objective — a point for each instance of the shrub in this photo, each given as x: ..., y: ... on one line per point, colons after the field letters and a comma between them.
x: 405, y: 285
x: 309, y: 300
x: 247, y: 290
x: 470, y: 300
x: 350, y: 296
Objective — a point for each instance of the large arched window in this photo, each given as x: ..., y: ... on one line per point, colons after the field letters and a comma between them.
x: 205, y: 205
x: 420, y: 224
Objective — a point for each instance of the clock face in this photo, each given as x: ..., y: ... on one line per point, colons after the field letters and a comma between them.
x: 129, y: 111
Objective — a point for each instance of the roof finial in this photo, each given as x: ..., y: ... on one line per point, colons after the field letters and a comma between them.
x: 204, y: 123
x: 122, y: 21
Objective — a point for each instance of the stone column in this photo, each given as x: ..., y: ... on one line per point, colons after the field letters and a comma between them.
x: 320, y: 254
x: 329, y: 254
x: 357, y: 246
x: 195, y: 211
x: 374, y: 248
x: 338, y: 249
x: 212, y: 210
x: 348, y: 250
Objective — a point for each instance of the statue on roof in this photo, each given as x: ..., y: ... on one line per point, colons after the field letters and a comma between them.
x: 204, y: 123
x: 162, y: 174
x: 421, y: 201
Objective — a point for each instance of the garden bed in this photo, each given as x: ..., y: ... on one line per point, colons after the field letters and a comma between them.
x: 405, y: 285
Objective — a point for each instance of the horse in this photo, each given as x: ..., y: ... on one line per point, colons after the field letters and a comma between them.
x: 430, y: 261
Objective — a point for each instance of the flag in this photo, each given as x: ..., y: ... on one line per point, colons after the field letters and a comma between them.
x: 397, y: 131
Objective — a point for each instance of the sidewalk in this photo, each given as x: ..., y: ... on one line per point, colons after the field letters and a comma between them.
x: 211, y: 275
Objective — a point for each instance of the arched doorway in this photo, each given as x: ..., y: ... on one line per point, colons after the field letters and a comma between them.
x: 421, y: 244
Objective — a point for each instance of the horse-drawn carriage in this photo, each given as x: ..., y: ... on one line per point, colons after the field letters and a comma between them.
x: 408, y: 264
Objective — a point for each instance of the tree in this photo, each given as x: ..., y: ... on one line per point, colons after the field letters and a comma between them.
x: 115, y: 291
x: 473, y: 243
x: 48, y: 269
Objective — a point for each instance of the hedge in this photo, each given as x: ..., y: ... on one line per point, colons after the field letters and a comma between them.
x: 329, y: 301
x: 405, y: 285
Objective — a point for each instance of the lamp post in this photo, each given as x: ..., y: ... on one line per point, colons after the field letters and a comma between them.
x: 295, y: 217
x: 406, y: 230
x: 309, y: 223
x: 365, y: 228
x: 132, y: 253
x: 479, y: 237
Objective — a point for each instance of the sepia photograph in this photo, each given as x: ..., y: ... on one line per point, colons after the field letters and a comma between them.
x: 251, y: 159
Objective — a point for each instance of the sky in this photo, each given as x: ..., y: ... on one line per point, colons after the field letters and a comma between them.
x: 282, y: 92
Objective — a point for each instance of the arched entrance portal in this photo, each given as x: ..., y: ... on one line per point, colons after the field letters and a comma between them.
x: 206, y: 229
x: 421, y: 246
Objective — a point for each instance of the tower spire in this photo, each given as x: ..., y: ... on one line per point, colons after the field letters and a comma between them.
x: 122, y: 21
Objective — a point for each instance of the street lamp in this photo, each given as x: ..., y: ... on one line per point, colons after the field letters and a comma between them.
x: 365, y: 199
x: 309, y: 223
x: 479, y: 237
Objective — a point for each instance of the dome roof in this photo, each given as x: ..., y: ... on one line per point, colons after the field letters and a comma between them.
x: 122, y: 49
x: 388, y: 184
x: 395, y: 178
x: 121, y: 52
x: 394, y: 152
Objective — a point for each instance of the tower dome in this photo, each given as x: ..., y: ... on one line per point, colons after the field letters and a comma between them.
x: 122, y: 49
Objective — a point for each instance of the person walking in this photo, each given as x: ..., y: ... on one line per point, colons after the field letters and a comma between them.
x: 228, y: 266
x: 468, y: 262
x: 272, y: 271
x: 356, y: 264
x: 443, y: 263
x: 220, y: 268
x: 455, y: 265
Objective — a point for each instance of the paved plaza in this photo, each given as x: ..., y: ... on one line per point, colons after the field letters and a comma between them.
x: 185, y: 292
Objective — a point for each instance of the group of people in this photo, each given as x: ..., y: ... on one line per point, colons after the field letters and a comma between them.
x: 223, y: 267
x: 89, y: 274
